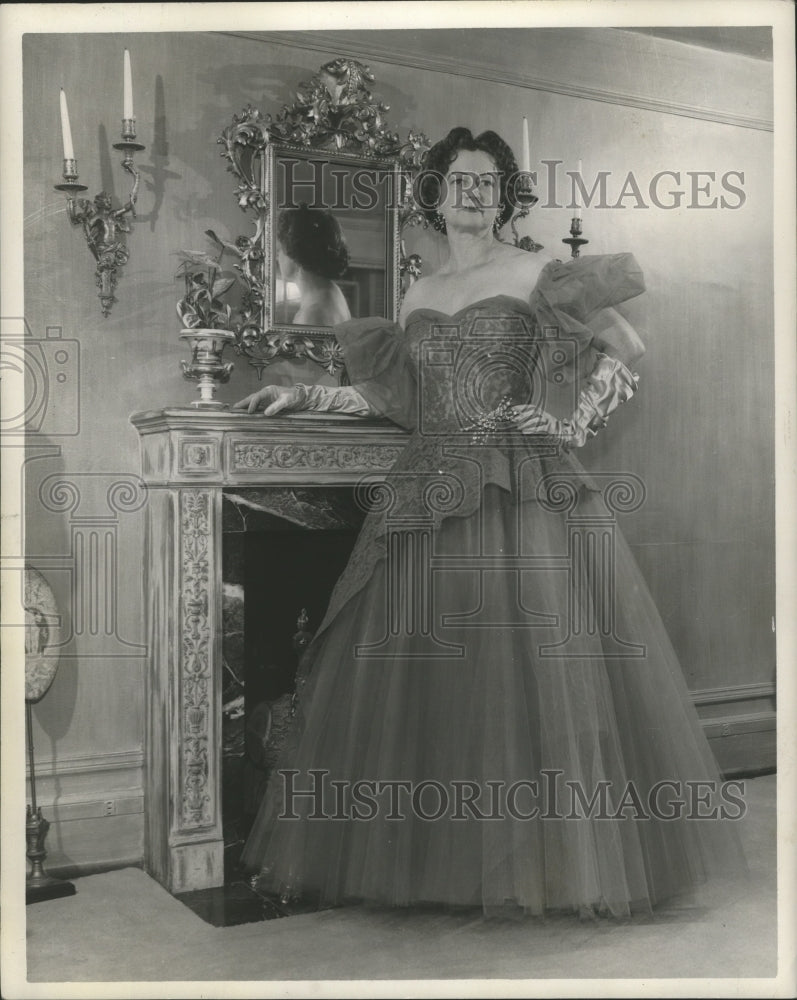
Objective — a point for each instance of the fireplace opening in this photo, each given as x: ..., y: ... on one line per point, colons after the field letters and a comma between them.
x: 282, y: 553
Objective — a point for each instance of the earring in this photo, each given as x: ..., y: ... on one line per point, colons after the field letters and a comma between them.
x: 438, y: 222
x: 497, y: 223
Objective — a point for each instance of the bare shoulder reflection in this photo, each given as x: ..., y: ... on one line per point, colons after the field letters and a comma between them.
x: 312, y: 253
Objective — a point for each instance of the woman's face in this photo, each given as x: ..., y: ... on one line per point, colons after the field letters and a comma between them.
x: 472, y: 192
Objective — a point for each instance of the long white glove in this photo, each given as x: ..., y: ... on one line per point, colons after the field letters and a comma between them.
x: 275, y: 398
x: 609, y: 384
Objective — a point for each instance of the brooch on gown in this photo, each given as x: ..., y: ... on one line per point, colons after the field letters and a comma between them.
x: 501, y: 418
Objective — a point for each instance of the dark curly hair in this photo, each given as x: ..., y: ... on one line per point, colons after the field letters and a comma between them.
x: 442, y: 155
x: 313, y: 238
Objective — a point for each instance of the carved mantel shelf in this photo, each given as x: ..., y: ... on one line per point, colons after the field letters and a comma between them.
x: 188, y: 458
x: 181, y: 446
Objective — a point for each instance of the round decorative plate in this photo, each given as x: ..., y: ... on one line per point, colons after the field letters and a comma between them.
x: 42, y: 635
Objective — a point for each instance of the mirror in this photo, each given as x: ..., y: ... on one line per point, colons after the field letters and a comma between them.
x: 330, y: 188
x: 332, y: 238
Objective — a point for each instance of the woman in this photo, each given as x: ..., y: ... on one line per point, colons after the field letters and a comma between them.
x: 454, y: 657
x: 312, y: 253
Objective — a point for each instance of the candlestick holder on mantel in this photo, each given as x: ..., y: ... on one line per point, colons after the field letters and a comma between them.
x: 101, y: 222
x: 525, y: 199
x: 575, y: 239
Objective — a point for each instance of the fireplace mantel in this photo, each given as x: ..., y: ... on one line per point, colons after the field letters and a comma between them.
x: 224, y: 448
x: 188, y: 457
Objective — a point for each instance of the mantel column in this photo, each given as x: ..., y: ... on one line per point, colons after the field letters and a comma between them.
x: 185, y: 844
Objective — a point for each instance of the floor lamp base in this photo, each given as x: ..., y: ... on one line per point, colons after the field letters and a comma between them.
x: 40, y: 886
x: 47, y: 888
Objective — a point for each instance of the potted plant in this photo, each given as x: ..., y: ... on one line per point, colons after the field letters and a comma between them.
x: 207, y: 322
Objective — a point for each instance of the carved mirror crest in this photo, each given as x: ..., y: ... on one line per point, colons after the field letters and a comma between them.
x: 330, y: 190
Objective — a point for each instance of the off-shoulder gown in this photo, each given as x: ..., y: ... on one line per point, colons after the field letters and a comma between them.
x: 492, y: 631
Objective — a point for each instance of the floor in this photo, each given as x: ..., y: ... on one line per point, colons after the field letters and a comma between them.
x: 122, y: 926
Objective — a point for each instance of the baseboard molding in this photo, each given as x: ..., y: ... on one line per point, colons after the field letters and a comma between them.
x: 734, y: 692
x: 86, y: 763
x: 94, y: 804
x: 93, y: 868
x: 743, y: 741
x: 77, y: 785
x: 744, y: 745
x: 737, y: 725
x: 68, y: 809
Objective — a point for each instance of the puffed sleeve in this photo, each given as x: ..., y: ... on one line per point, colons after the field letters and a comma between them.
x: 565, y: 296
x: 380, y: 368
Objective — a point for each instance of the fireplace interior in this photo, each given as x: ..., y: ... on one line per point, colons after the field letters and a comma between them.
x: 283, y: 549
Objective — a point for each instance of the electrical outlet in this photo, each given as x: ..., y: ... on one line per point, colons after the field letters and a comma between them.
x: 110, y: 807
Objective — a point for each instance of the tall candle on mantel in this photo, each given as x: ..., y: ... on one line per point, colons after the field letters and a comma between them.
x: 526, y: 149
x: 577, y: 194
x: 128, y: 96
x: 66, y: 131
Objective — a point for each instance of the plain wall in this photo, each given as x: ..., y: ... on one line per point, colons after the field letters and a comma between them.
x: 699, y: 433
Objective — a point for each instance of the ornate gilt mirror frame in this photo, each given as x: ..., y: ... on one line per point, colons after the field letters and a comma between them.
x: 336, y: 114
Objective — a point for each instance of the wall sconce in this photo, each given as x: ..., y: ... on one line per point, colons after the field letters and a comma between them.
x: 523, y: 196
x: 575, y: 240
x: 525, y: 199
x: 100, y: 221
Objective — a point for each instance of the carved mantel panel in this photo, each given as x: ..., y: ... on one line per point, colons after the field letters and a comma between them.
x: 280, y: 456
x: 196, y: 715
x: 188, y: 458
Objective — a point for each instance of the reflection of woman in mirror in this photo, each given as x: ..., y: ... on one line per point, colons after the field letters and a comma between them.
x: 312, y: 253
x: 487, y: 671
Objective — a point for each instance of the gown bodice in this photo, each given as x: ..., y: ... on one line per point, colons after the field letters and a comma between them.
x: 470, y: 362
x: 444, y: 376
x: 445, y: 371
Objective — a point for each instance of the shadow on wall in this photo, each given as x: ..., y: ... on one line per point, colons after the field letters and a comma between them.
x: 54, y: 713
x: 157, y: 171
x: 268, y: 88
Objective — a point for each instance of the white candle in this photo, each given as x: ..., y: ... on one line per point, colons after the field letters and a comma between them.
x: 577, y: 194
x: 526, y: 150
x: 66, y: 131
x: 128, y: 99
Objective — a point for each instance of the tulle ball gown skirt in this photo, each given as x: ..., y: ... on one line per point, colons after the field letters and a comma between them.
x: 511, y: 734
